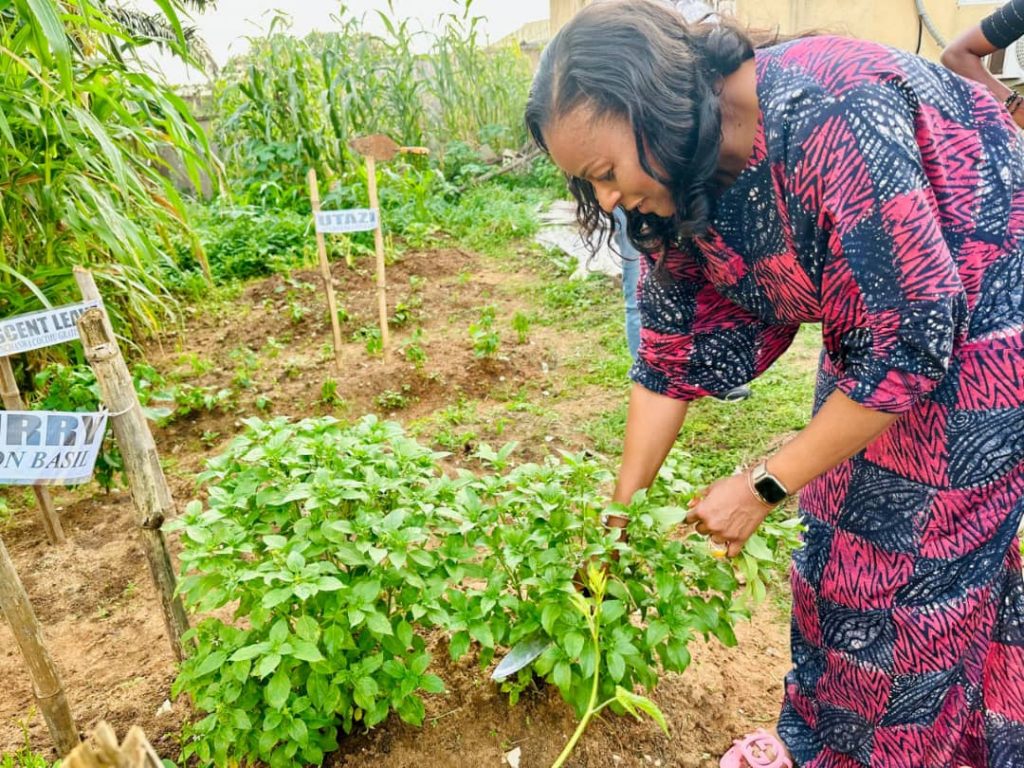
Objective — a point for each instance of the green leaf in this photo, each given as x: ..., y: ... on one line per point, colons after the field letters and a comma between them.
x: 54, y: 37
x: 481, y: 632
x: 668, y: 517
x: 328, y: 584
x: 249, y: 652
x: 405, y: 633
x: 275, y: 597
x: 378, y: 623
x: 366, y: 592
x: 756, y: 547
x: 632, y: 702
x: 299, y: 732
x: 411, y: 710
x: 278, y: 690
x: 549, y: 615
x: 280, y: 631
x: 211, y: 663
x: 275, y: 542
x: 616, y: 666
x: 365, y: 692
x: 458, y: 646
x: 432, y: 684
x: 573, y: 643
x: 561, y: 675
x: 306, y: 651
x: 267, y: 664
x: 241, y: 720
x: 656, y: 632
x: 307, y: 628
x: 612, y: 611
x: 419, y: 663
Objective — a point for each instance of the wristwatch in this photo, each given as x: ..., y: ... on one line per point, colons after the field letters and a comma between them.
x: 766, y: 486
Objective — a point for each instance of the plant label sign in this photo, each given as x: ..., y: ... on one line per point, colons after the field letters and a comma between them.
x: 353, y: 220
x: 49, y: 447
x: 23, y: 333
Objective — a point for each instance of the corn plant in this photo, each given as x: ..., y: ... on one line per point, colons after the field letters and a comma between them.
x: 82, y: 135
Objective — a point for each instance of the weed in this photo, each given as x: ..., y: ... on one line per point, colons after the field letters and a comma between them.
x: 521, y: 325
x: 485, y: 338
x: 329, y: 394
x: 391, y: 400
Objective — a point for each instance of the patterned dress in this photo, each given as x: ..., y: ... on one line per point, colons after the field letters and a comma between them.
x: 884, y: 200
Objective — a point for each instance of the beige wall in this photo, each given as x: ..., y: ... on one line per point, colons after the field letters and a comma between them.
x: 893, y: 22
x: 563, y: 10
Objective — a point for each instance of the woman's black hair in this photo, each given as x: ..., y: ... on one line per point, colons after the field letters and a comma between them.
x: 641, y: 61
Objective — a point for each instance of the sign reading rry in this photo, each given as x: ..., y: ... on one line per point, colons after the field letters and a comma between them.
x: 23, y: 333
x: 354, y: 220
x: 48, y: 447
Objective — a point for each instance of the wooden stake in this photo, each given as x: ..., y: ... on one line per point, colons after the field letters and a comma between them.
x: 378, y: 244
x: 46, y: 684
x: 325, y: 270
x: 146, y: 479
x: 13, y: 402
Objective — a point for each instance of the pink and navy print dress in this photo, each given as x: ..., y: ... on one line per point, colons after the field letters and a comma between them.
x: 884, y: 200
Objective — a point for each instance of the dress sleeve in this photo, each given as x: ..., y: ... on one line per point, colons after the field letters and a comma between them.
x: 892, y: 299
x: 694, y: 341
x: 1004, y: 26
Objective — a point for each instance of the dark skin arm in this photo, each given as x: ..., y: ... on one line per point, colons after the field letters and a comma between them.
x: 964, y: 56
x: 727, y: 510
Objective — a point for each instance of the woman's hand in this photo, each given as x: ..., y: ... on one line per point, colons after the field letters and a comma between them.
x: 728, y: 512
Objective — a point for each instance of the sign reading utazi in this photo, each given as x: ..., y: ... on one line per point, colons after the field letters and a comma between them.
x: 354, y: 220
x: 45, y: 328
x: 48, y: 447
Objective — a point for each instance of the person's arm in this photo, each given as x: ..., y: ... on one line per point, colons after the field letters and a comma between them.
x: 964, y: 55
x: 840, y: 429
x: 652, y: 425
x: 729, y: 511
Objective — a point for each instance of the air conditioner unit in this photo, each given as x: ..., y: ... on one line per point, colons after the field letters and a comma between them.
x: 1008, y: 64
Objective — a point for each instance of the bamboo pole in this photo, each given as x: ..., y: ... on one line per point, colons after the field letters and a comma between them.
x: 46, y: 684
x: 12, y: 402
x: 325, y: 269
x: 146, y: 479
x: 378, y: 244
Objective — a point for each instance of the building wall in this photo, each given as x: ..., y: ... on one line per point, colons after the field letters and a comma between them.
x: 563, y: 10
x: 893, y: 22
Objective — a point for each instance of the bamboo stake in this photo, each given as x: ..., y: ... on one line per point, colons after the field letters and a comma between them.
x: 12, y: 402
x: 325, y: 269
x: 146, y: 479
x: 378, y: 244
x: 46, y: 684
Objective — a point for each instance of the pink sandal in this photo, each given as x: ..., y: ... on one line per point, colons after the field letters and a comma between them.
x: 759, y: 749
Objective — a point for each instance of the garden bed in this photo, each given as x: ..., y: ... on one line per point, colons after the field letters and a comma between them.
x: 558, y: 383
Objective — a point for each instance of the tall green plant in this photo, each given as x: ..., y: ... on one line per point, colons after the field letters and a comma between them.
x: 84, y: 137
x: 290, y: 104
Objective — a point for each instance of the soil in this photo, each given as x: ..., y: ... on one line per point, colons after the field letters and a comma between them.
x: 100, y: 612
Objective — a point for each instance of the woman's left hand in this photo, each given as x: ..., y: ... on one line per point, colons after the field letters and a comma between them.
x: 728, y: 512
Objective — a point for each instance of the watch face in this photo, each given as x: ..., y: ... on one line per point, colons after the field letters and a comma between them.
x: 770, y: 490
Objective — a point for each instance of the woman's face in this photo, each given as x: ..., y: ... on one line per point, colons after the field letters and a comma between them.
x: 603, y: 152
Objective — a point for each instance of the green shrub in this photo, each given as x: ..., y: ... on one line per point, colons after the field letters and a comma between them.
x: 341, y: 546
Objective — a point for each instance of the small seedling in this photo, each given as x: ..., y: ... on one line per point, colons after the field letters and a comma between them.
x: 521, y: 325
x: 413, y: 350
x: 329, y: 393
x: 482, y: 333
x: 390, y: 400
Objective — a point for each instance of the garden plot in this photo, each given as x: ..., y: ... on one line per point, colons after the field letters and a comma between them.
x: 546, y: 385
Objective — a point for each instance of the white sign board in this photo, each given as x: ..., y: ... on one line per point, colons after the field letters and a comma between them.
x: 49, y: 447
x: 36, y: 330
x: 354, y: 220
